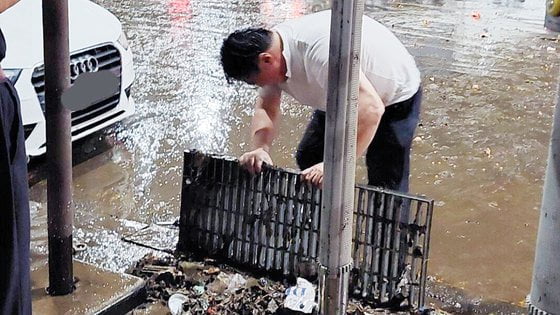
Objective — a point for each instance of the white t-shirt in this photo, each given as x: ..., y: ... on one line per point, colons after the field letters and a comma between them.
x: 384, y: 60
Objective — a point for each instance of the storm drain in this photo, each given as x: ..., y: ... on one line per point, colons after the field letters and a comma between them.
x: 271, y: 222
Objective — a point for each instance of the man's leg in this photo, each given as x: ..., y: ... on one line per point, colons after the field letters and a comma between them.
x: 21, y: 203
x: 311, y: 147
x: 15, y: 290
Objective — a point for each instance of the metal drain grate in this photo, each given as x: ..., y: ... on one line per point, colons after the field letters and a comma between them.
x: 271, y: 222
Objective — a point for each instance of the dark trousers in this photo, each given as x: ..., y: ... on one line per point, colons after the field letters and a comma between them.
x: 15, y: 285
x: 388, y: 155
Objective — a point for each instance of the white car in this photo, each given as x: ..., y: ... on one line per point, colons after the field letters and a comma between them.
x: 97, y: 42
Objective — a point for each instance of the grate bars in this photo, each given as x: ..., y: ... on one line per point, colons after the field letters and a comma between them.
x: 270, y: 222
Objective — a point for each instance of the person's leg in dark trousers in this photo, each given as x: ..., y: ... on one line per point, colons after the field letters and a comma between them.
x: 15, y: 290
x: 311, y: 147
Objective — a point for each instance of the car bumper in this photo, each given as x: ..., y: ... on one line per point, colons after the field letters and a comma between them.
x: 34, y: 118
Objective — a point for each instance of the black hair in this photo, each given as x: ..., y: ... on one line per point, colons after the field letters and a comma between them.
x: 240, y: 52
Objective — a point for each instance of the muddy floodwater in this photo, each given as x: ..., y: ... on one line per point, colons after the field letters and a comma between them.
x: 489, y: 74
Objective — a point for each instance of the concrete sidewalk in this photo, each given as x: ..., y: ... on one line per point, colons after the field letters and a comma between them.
x: 97, y: 292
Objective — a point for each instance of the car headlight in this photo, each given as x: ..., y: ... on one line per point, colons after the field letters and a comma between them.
x: 123, y: 41
x: 12, y: 74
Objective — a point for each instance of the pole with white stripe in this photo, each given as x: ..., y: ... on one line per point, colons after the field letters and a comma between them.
x: 340, y: 155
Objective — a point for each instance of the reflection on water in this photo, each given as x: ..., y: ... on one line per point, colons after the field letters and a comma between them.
x: 481, y: 148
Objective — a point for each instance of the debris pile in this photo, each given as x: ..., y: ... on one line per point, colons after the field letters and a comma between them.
x: 208, y: 287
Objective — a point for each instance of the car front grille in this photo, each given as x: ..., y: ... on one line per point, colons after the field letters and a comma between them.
x: 108, y: 58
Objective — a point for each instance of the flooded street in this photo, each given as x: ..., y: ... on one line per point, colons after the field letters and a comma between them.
x: 480, y: 152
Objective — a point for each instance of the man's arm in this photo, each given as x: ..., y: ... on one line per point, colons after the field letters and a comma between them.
x: 264, y: 125
x: 370, y: 111
x: 264, y: 128
x: 5, y: 4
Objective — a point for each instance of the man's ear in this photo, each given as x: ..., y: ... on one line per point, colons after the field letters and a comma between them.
x: 265, y: 58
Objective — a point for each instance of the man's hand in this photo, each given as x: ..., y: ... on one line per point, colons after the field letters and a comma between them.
x: 252, y: 161
x: 314, y: 175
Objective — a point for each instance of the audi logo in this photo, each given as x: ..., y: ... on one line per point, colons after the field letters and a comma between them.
x: 83, y: 64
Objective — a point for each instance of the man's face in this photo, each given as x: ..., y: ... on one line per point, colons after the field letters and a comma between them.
x: 269, y: 71
x: 262, y: 78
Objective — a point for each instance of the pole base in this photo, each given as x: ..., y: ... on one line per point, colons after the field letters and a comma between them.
x: 533, y: 310
x: 60, y: 291
x: 335, y: 288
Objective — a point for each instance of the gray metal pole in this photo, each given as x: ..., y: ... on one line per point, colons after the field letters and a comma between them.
x: 545, y: 289
x: 59, y: 147
x: 340, y: 155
